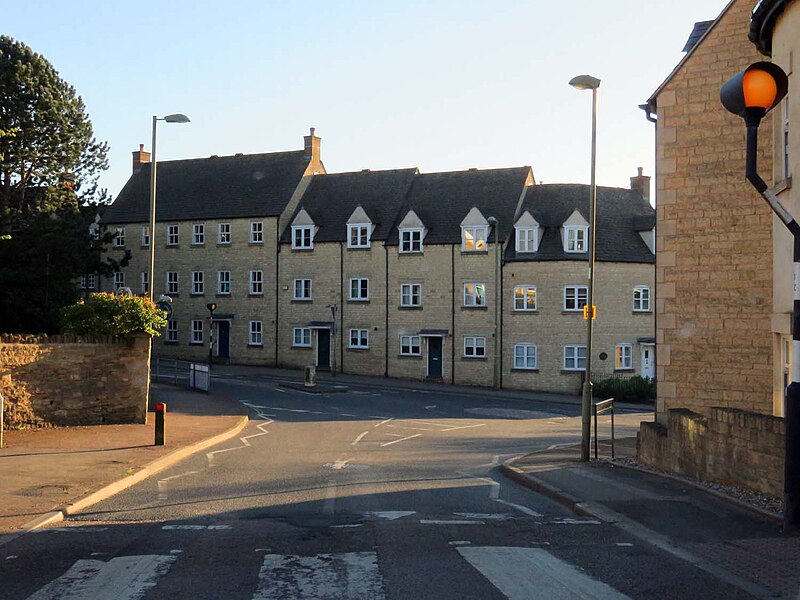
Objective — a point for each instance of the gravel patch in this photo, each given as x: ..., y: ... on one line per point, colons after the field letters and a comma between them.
x: 754, y: 499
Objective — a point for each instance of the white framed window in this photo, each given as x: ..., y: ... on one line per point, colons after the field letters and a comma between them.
x: 119, y: 237
x: 358, y: 235
x: 144, y: 281
x: 410, y: 345
x: 575, y: 297
x: 255, y: 338
x: 173, y: 232
x: 575, y: 238
x: 198, y: 282
x: 224, y: 233
x: 527, y: 239
x: 302, y: 237
x: 411, y: 240
x: 525, y: 297
x: 474, y: 294
x: 172, y: 282
x: 256, y: 232
x: 119, y: 279
x: 172, y: 330
x: 302, y: 289
x: 359, y: 338
x: 87, y: 282
x: 787, y: 167
x: 473, y: 239
x: 198, y: 234
x: 574, y: 358
x: 411, y: 294
x: 623, y: 356
x: 301, y: 337
x: 223, y: 282
x: 197, y: 331
x: 641, y: 298
x: 525, y: 356
x: 145, y: 236
x: 256, y: 283
x: 359, y: 288
x: 474, y: 346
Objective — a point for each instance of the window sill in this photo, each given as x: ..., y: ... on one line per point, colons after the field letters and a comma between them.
x: 474, y: 358
x: 302, y: 249
x: 475, y: 252
x: 474, y: 308
x: 401, y: 307
x: 197, y: 245
x: 529, y: 311
x: 358, y: 300
x: 168, y: 343
x: 522, y: 370
x: 257, y: 346
x: 572, y: 371
x: 223, y: 294
x: 410, y: 253
x: 197, y: 294
x: 144, y: 247
x: 625, y: 370
x: 573, y: 312
x: 261, y: 295
x: 642, y: 312
x: 358, y: 248
x: 302, y: 300
x: 223, y: 244
x: 251, y: 243
x: 301, y: 347
x: 409, y: 356
x: 360, y: 349
x: 195, y: 343
x: 172, y: 247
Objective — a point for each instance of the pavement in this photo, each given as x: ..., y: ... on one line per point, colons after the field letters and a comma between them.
x: 46, y: 474
x: 724, y: 537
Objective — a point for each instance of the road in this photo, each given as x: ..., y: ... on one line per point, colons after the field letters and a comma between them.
x: 357, y: 493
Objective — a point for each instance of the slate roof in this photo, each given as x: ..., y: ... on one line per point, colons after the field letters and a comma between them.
x: 621, y: 214
x: 442, y: 200
x: 698, y: 31
x: 332, y: 198
x: 240, y: 186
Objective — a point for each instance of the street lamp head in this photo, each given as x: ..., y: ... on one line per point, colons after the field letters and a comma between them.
x: 753, y: 92
x: 211, y: 306
x: 585, y: 82
x: 492, y: 221
x: 177, y: 118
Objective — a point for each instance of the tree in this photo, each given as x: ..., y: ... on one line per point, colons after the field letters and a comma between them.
x: 107, y: 314
x: 49, y: 158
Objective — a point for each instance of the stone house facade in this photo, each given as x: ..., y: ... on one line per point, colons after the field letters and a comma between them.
x: 391, y: 273
x: 720, y: 342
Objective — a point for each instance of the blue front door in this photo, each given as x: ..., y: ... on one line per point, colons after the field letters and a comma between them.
x: 223, y: 342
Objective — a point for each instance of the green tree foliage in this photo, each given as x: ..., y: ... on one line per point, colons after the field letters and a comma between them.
x: 631, y: 389
x: 49, y: 164
x: 48, y: 152
x: 107, y: 314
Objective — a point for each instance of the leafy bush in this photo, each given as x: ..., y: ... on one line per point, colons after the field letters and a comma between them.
x: 107, y: 314
x: 633, y: 389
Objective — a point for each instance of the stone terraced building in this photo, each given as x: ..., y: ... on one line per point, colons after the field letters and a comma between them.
x: 473, y: 277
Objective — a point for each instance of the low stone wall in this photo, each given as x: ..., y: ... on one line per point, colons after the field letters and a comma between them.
x: 66, y: 380
x: 731, y: 446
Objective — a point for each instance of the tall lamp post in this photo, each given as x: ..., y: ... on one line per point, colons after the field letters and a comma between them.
x: 333, y: 308
x: 587, y: 82
x: 175, y: 118
x: 211, y: 306
x: 751, y: 94
x: 497, y: 294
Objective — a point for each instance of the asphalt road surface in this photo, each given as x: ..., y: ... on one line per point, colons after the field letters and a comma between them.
x: 360, y: 493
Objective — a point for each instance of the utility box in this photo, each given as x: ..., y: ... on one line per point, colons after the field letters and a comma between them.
x: 310, y: 376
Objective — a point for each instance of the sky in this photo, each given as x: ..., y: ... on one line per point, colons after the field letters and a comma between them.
x: 440, y: 85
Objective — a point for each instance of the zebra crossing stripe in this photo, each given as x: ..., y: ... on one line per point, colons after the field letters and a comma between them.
x: 526, y: 573
x: 323, y: 577
x: 122, y: 578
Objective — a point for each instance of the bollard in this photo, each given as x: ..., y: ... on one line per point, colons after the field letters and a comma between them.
x: 310, y: 374
x: 161, y: 417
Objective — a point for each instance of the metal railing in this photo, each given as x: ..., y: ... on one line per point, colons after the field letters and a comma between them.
x: 600, y: 408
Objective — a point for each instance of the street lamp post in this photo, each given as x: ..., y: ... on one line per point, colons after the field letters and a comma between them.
x: 751, y: 94
x: 211, y: 306
x: 175, y: 118
x: 494, y: 223
x: 587, y: 82
x: 333, y: 308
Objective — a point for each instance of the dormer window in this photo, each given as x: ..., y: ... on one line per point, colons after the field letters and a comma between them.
x: 358, y: 235
x: 411, y: 240
x: 527, y: 239
x: 473, y: 239
x: 302, y: 237
x: 575, y: 238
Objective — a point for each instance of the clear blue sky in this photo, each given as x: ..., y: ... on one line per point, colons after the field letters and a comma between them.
x: 441, y: 84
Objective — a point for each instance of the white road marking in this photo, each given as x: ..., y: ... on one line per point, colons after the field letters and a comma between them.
x: 430, y: 407
x: 346, y: 526
x: 523, y: 509
x: 176, y: 551
x: 450, y: 522
x: 163, y: 483
x: 323, y: 577
x: 330, y: 498
x: 555, y: 446
x: 385, y: 421
x: 122, y: 578
x: 421, y: 422
x: 282, y: 391
x: 412, y: 428
x: 485, y: 516
x: 195, y: 527
x: 525, y: 573
x: 568, y: 521
x: 97, y: 553
x: 459, y: 543
x: 348, y: 415
x: 400, y: 440
x: 11, y: 557
x: 70, y: 530
x: 464, y: 427
x: 624, y: 544
x: 494, y: 490
x: 245, y: 443
x: 359, y: 438
x: 376, y: 417
x: 391, y: 515
x: 339, y: 464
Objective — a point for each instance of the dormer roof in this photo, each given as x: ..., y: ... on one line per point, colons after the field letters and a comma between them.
x: 302, y: 218
x: 526, y: 220
x: 359, y: 216
x: 474, y: 218
x: 411, y: 221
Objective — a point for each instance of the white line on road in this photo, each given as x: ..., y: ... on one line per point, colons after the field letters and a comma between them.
x: 163, y: 483
x: 385, y: 421
x: 196, y: 527
x: 338, y: 464
x: 450, y: 522
x: 376, y: 417
x: 494, y: 490
x: 524, y: 573
x: 359, y: 438
x: 412, y: 428
x: 429, y: 407
x: 400, y: 440
x: 523, y: 509
x: 464, y: 427
x: 459, y: 543
x: 390, y: 515
x: 485, y: 516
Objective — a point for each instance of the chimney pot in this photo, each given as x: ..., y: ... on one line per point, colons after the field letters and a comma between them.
x: 641, y: 184
x: 311, y: 147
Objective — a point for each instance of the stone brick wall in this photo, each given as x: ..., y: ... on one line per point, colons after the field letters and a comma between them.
x: 72, y: 381
x: 730, y: 446
x: 714, y: 271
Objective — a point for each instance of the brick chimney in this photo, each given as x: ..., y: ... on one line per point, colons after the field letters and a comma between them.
x: 311, y: 146
x: 641, y: 184
x: 139, y: 158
